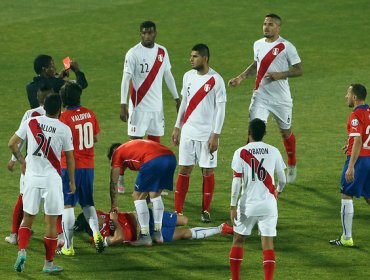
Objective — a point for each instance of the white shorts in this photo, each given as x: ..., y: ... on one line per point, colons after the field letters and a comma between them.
x: 141, y: 123
x: 48, y: 188
x: 192, y: 152
x: 282, y: 112
x: 266, y: 224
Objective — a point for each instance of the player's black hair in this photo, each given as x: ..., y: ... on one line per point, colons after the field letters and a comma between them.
x: 44, y: 91
x: 359, y: 90
x: 257, y: 129
x: 52, y: 104
x: 147, y: 24
x: 111, y: 150
x: 202, y: 49
x: 70, y: 94
x: 41, y: 61
x: 276, y: 17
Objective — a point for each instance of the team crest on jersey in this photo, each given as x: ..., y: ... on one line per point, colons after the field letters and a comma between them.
x: 354, y: 122
x: 207, y: 87
x: 160, y: 57
x: 275, y: 51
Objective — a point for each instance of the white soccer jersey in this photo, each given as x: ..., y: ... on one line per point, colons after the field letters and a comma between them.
x: 146, y: 66
x: 257, y: 163
x: 46, y: 138
x: 277, y: 56
x: 200, y: 94
x: 39, y: 111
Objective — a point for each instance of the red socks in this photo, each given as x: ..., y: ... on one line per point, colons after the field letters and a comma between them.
x: 24, y: 235
x: 236, y: 258
x: 17, y: 215
x: 208, y: 189
x: 269, y: 264
x: 59, y: 224
x: 154, y: 138
x: 289, y: 144
x: 50, y: 246
x: 182, y: 186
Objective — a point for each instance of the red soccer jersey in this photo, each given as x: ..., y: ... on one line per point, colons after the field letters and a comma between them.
x: 126, y: 221
x: 84, y: 127
x: 358, y: 124
x: 136, y: 152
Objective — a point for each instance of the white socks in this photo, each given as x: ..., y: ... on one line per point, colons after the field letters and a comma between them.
x: 91, y: 218
x: 68, y: 221
x: 142, y: 215
x: 346, y: 214
x: 158, y: 209
x: 200, y: 232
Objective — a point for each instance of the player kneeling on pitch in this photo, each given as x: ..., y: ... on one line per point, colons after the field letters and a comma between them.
x: 119, y: 228
x: 254, y: 166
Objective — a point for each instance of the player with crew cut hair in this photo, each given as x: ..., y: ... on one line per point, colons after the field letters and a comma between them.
x: 355, y: 179
x: 254, y: 166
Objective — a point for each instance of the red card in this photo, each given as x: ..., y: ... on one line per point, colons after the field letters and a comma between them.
x: 67, y: 63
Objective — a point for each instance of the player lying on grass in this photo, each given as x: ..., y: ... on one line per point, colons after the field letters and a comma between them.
x: 119, y: 228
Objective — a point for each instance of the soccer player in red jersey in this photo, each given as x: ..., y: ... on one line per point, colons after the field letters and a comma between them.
x: 355, y: 180
x: 85, y: 129
x: 119, y: 228
x: 156, y: 165
x: 275, y: 60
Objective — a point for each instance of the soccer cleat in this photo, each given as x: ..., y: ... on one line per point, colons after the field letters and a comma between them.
x: 121, y: 189
x: 291, y: 174
x: 226, y: 229
x: 157, y: 237
x: 50, y: 267
x: 342, y: 242
x: 144, y: 240
x: 67, y: 251
x: 12, y: 238
x: 205, y: 217
x: 19, y: 263
x: 99, y: 242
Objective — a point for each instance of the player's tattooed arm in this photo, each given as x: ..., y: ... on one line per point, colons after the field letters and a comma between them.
x: 113, y: 187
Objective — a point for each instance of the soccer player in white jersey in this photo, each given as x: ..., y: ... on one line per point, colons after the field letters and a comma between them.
x: 46, y: 137
x: 254, y: 166
x: 275, y: 60
x: 200, y: 119
x: 145, y: 66
x: 18, y: 208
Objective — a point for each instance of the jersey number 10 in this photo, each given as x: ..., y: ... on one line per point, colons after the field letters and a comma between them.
x: 85, y: 135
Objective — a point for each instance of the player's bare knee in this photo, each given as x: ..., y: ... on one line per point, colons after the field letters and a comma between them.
x: 238, y: 240
x: 207, y: 171
x: 185, y: 170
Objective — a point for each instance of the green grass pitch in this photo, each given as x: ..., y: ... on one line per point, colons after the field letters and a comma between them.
x: 333, y: 40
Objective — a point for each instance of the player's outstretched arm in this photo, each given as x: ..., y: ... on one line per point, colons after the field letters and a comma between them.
x: 114, y: 174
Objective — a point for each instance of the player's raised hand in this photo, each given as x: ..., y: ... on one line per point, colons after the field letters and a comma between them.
x: 234, y: 82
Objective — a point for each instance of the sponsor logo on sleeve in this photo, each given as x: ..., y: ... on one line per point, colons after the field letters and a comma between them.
x: 354, y: 122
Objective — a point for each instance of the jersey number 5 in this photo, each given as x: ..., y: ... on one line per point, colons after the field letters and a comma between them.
x: 260, y: 172
x: 85, y: 135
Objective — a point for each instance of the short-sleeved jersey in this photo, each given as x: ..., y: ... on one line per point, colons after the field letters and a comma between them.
x: 283, y: 54
x: 39, y: 111
x: 46, y: 138
x: 142, y: 63
x: 84, y: 126
x: 257, y: 162
x: 126, y: 221
x: 358, y: 124
x: 201, y: 93
x: 137, y: 152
